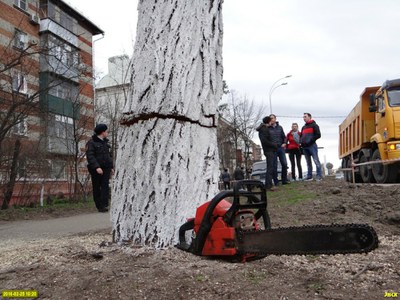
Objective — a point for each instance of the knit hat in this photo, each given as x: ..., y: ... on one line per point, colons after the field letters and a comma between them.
x: 100, y: 128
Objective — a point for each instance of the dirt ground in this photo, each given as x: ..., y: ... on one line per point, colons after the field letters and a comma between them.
x: 89, y: 266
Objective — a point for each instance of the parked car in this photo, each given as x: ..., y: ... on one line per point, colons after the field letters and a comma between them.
x: 260, y: 170
x: 339, y: 175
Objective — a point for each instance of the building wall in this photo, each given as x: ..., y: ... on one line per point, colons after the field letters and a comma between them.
x: 53, y: 108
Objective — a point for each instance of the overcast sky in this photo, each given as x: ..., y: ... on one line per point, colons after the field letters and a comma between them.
x: 332, y: 48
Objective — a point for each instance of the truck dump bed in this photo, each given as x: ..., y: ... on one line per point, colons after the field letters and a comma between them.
x: 358, y: 127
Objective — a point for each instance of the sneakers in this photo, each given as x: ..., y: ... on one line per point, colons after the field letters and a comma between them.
x: 103, y: 210
x: 311, y: 179
x: 272, y: 189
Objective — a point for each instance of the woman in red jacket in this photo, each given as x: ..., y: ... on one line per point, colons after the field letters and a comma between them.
x: 293, y: 148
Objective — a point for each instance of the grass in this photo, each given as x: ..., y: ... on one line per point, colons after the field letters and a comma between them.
x: 201, y: 278
x: 316, y: 287
x: 290, y: 194
x: 58, y: 208
x: 255, y: 277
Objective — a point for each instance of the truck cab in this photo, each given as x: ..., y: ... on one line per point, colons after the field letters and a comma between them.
x: 386, y: 106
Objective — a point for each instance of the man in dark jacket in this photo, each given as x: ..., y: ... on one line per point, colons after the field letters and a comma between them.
x: 269, y: 149
x: 100, y: 166
x: 226, y: 179
x: 238, y: 174
x: 310, y: 133
x: 278, y: 137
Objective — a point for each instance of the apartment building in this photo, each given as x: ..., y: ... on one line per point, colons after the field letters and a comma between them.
x: 46, y: 98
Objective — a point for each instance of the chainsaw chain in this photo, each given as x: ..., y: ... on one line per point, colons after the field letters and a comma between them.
x: 373, y: 245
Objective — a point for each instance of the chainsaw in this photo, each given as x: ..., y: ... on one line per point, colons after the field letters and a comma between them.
x: 236, y: 225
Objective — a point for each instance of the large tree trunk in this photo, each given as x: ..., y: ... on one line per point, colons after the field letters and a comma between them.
x: 167, y: 161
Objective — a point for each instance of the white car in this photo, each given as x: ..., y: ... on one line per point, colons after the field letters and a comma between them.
x: 339, y: 175
x: 260, y: 169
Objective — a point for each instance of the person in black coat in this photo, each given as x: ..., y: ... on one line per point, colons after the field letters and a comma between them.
x: 238, y: 174
x: 226, y: 179
x: 269, y: 149
x: 278, y: 136
x: 100, y: 166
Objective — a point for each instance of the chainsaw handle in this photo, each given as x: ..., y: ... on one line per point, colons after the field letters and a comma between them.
x: 238, y: 190
x: 248, y: 185
x: 207, y: 222
x: 183, y: 245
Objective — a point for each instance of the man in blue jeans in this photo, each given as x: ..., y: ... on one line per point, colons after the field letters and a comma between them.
x: 310, y: 133
x: 278, y: 136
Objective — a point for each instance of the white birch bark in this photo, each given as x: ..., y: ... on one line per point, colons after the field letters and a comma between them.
x: 167, y: 162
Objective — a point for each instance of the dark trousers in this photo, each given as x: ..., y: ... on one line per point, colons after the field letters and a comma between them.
x: 270, y: 158
x: 295, y: 159
x: 281, y: 155
x: 227, y: 185
x: 101, y: 188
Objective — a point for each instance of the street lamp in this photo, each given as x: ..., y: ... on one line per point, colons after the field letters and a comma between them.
x: 273, y: 88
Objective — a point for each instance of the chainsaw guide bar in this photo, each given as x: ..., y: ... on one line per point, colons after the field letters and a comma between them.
x: 308, y: 240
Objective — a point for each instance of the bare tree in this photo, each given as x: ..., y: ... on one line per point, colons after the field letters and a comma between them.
x: 167, y: 161
x: 79, y: 180
x: 243, y: 115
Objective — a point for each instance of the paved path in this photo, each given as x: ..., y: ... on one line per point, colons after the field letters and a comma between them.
x: 53, y: 228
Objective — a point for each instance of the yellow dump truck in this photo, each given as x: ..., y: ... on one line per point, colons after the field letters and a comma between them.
x: 371, y: 133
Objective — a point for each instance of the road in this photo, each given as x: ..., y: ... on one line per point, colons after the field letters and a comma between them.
x: 43, y: 229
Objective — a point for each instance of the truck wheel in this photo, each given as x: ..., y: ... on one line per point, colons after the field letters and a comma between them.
x: 347, y: 174
x: 365, y: 171
x: 383, y: 173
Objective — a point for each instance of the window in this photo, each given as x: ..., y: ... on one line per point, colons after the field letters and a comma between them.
x: 62, y: 127
x: 21, y: 167
x: 57, y: 169
x: 63, y: 90
x: 21, y: 128
x: 51, y: 11
x: 66, y: 21
x: 381, y: 104
x: 394, y: 97
x: 20, y: 3
x: 20, y: 39
x: 64, y: 53
x: 19, y: 83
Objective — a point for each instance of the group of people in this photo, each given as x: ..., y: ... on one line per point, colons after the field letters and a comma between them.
x: 296, y: 143
x: 239, y: 174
